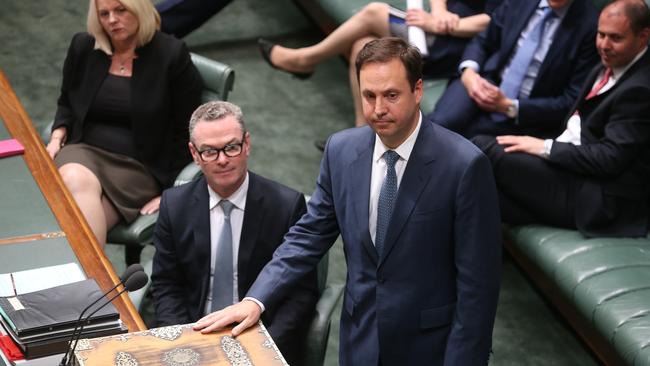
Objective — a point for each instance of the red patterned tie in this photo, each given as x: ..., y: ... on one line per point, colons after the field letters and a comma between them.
x: 601, y: 84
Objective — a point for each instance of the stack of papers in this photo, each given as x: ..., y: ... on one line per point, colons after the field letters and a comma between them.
x: 40, y: 322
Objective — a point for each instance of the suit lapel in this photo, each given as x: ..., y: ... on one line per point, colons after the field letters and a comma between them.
x: 251, y: 227
x: 360, y: 172
x: 557, y: 50
x: 200, y: 219
x: 413, y: 182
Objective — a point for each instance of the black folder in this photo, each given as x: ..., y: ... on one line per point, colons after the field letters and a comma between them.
x: 54, y: 309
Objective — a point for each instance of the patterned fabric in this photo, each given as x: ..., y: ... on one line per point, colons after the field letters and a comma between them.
x: 386, y: 202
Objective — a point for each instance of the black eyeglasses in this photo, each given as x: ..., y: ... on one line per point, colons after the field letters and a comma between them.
x: 212, y: 153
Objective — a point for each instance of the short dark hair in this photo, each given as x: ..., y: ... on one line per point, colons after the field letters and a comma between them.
x: 637, y: 12
x: 386, y: 49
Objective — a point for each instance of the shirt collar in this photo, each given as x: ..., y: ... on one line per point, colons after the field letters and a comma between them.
x: 238, y: 198
x: 617, y: 72
x: 404, y: 150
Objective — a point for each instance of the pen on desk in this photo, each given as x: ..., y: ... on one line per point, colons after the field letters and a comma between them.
x: 13, y: 283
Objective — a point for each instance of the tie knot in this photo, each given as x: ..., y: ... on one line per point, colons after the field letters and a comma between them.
x: 608, y: 73
x: 226, y: 206
x: 390, y: 156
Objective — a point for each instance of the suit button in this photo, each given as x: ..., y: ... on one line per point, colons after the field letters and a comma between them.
x: 381, y: 280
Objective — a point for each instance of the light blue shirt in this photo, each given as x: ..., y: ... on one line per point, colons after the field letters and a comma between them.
x: 547, y: 39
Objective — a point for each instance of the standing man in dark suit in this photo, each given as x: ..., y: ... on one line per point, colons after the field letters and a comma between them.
x: 523, y: 73
x: 596, y: 175
x: 417, y: 209
x: 215, y: 234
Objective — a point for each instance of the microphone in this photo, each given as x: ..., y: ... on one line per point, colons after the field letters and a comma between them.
x: 134, y: 268
x: 135, y: 282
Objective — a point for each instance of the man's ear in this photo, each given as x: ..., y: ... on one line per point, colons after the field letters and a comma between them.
x: 247, y: 143
x: 195, y: 154
x: 418, y: 90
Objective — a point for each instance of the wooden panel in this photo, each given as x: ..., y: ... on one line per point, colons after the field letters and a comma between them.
x: 81, y: 239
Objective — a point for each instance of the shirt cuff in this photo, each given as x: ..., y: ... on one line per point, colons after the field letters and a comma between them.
x: 546, y: 150
x: 259, y: 303
x: 469, y: 63
x: 515, y: 103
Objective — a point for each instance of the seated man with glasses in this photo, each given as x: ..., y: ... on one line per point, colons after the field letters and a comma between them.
x: 215, y: 234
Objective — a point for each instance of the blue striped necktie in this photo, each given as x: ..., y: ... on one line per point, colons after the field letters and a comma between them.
x: 514, y: 77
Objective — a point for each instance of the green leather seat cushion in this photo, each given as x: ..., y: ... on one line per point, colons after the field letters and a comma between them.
x: 607, y: 279
x: 631, y: 338
x: 621, y: 309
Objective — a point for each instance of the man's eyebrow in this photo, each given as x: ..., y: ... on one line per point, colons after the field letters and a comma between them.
x: 231, y: 142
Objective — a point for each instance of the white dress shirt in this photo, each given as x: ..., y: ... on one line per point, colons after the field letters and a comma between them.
x: 379, y: 172
x: 238, y: 199
x: 572, y: 132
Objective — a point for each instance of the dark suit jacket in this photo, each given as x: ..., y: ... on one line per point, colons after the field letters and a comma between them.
x: 181, y: 267
x: 614, y: 155
x: 165, y: 90
x: 566, y: 65
x: 431, y: 298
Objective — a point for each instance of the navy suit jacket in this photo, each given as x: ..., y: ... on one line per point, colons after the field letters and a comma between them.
x: 431, y: 298
x: 614, y: 155
x: 181, y: 267
x: 563, y: 72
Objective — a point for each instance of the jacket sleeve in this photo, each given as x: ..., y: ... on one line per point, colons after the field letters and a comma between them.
x: 292, y: 315
x: 64, y: 116
x: 553, y: 109
x: 304, y: 245
x: 167, y: 288
x: 487, y: 42
x: 626, y: 135
x: 477, y: 259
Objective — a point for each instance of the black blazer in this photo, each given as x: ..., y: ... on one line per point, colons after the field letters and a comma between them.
x: 614, y: 155
x: 165, y: 90
x: 181, y: 266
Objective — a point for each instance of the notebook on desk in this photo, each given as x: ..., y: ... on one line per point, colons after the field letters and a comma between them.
x: 53, y: 309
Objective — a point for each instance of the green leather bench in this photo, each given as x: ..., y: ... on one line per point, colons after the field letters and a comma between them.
x: 601, y: 286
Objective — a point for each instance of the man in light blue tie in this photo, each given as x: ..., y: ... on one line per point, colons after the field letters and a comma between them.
x: 523, y: 73
x: 416, y: 208
x: 216, y: 233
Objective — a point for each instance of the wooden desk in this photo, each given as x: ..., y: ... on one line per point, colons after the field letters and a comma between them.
x: 39, y: 222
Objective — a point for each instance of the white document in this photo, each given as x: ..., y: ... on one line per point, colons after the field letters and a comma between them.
x: 39, y: 278
x: 416, y: 34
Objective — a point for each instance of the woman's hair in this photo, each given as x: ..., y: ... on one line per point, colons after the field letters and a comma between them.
x: 143, y: 10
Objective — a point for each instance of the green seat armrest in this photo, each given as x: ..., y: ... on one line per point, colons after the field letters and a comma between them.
x: 139, y: 232
x: 316, y: 343
x: 218, y: 78
x: 188, y: 174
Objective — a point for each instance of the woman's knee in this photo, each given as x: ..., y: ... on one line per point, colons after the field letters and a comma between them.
x: 375, y: 10
x: 78, y: 178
